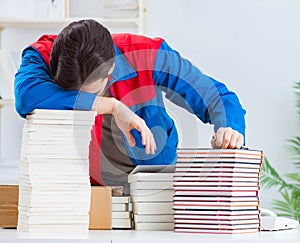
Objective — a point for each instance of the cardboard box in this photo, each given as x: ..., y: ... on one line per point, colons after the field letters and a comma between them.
x: 9, y: 195
x: 100, y: 211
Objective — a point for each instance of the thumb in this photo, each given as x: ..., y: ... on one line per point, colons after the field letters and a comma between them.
x: 130, y: 139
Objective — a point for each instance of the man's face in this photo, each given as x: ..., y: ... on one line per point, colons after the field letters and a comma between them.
x: 97, y: 87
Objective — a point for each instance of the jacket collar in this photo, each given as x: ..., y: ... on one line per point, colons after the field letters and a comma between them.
x: 123, y: 70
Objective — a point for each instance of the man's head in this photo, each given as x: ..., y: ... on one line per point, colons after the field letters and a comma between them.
x: 82, y: 53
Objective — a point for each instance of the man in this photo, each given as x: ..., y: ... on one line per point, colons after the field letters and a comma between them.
x: 122, y: 77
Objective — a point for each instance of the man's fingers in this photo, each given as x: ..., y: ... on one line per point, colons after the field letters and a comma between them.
x: 227, y: 138
x: 233, y: 140
x: 147, y: 137
x: 240, y: 141
x: 130, y: 139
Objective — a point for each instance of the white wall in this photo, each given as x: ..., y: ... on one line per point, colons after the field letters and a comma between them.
x: 251, y: 45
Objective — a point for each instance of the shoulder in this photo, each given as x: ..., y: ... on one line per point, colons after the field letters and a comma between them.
x: 132, y: 41
x: 44, y: 46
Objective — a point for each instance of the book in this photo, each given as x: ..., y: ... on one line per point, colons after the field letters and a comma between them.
x: 120, y: 199
x: 216, y: 178
x: 214, y: 199
x: 118, y: 223
x: 216, y: 183
x: 232, y: 218
x: 218, y: 169
x: 119, y: 207
x: 153, y: 226
x: 151, y: 185
x: 121, y: 214
x: 154, y: 218
x: 208, y: 152
x: 216, y: 191
x: 54, y: 183
x: 153, y: 196
x: 217, y: 226
x: 153, y: 208
x: 216, y: 231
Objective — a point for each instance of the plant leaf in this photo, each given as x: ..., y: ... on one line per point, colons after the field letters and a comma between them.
x: 269, y: 177
x: 290, y: 206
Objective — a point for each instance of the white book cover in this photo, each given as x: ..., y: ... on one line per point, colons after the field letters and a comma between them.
x: 215, y: 199
x: 121, y: 215
x: 254, y: 161
x: 217, y: 222
x: 216, y: 193
x: 119, y: 207
x: 154, y: 218
x: 150, y: 177
x: 216, y: 231
x: 216, y: 183
x: 209, y: 152
x: 208, y: 213
x: 152, y: 195
x: 147, y: 173
x: 120, y: 199
x: 57, y: 114
x: 215, y: 217
x: 193, y: 164
x: 215, y: 204
x: 215, y: 179
x: 154, y: 226
x: 217, y: 169
x: 201, y: 174
x: 213, y: 207
x: 153, y: 208
x: 151, y: 185
x: 216, y: 226
x: 121, y: 223
x: 217, y: 188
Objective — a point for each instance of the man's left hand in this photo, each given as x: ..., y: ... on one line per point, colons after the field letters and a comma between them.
x: 227, y: 138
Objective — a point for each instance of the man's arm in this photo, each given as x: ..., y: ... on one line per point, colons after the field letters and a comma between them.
x: 201, y: 95
x: 34, y: 88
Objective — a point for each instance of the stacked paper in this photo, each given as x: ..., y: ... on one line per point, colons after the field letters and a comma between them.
x: 216, y: 191
x: 151, y: 190
x: 54, y: 190
x: 121, y: 212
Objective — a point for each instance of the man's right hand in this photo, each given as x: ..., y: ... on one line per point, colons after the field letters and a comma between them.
x: 126, y: 120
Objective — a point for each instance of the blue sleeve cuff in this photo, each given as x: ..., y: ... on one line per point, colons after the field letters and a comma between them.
x: 84, y: 101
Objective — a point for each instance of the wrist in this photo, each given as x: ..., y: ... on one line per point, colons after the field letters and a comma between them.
x: 105, y: 105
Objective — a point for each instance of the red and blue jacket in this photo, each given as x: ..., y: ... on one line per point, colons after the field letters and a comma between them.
x: 145, y: 69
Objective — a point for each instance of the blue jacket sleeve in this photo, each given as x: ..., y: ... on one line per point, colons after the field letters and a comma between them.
x: 201, y: 95
x: 35, y: 89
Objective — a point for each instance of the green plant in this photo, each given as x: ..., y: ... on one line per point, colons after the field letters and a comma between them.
x: 289, y: 184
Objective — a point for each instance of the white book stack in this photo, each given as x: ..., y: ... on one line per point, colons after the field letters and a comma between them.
x: 121, y: 212
x: 54, y: 185
x: 216, y: 191
x: 151, y: 190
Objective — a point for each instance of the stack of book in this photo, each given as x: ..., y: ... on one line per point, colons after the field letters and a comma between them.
x: 121, y: 212
x: 151, y: 190
x: 216, y: 191
x: 54, y: 185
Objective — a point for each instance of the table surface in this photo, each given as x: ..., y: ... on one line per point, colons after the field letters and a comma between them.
x: 126, y: 236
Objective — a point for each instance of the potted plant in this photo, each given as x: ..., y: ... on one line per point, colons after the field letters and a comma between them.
x: 288, y: 184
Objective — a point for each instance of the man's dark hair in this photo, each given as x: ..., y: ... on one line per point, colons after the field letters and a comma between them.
x: 82, y: 53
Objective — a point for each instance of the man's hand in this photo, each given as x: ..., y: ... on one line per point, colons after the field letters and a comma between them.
x: 227, y: 138
x: 126, y: 120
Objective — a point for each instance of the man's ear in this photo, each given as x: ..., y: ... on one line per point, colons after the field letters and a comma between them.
x: 111, y: 69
